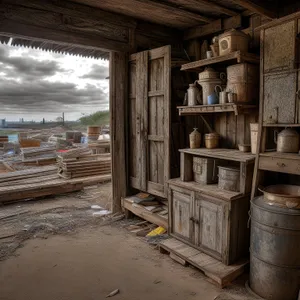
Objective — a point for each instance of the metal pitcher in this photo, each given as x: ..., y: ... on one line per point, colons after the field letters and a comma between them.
x: 222, y: 94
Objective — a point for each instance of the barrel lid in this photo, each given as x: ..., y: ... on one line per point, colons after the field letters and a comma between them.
x: 259, y: 202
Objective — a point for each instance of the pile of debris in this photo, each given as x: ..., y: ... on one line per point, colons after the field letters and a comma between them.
x: 81, y: 163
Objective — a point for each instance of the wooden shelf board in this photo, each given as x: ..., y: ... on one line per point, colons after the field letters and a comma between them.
x: 281, y: 125
x: 217, y: 108
x: 221, y: 153
x: 221, y: 274
x: 232, y: 58
x: 293, y: 156
x: 207, y: 189
x: 139, y: 210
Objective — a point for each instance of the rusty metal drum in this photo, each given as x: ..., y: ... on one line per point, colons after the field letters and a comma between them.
x: 274, y: 251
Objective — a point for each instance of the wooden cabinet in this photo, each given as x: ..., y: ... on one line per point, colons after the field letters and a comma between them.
x: 217, y: 227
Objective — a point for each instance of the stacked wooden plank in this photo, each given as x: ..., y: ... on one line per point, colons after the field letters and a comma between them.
x: 34, y: 153
x: 28, y: 176
x: 35, y: 187
x: 73, y: 165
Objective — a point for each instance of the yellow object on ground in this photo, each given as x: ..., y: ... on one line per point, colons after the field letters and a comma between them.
x: 157, y: 231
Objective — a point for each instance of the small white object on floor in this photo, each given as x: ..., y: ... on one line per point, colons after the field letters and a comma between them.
x: 96, y: 207
x: 102, y: 213
x: 113, y: 293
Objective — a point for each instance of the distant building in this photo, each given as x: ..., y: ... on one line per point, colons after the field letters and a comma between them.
x: 2, y: 123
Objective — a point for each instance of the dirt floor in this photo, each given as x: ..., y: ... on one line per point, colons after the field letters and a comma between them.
x: 56, y: 248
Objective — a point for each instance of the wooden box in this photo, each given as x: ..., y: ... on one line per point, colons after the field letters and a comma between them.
x: 215, y: 226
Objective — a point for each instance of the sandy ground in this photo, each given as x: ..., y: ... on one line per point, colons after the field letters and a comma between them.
x: 91, y: 260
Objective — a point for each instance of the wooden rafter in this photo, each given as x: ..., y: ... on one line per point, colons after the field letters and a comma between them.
x: 196, y: 16
x: 216, y: 7
x: 259, y: 9
x: 212, y: 28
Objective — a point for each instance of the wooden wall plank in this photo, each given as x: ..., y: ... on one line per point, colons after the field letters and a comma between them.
x: 118, y: 72
x: 142, y: 100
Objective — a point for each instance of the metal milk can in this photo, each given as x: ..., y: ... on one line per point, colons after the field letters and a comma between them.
x: 209, y: 79
x: 287, y: 141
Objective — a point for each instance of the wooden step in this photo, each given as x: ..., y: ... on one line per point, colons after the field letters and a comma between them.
x: 221, y: 274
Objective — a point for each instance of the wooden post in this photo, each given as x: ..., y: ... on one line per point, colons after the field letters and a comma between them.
x: 118, y: 75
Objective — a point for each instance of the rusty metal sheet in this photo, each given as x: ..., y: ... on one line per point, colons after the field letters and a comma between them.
x: 280, y: 97
x: 279, y: 47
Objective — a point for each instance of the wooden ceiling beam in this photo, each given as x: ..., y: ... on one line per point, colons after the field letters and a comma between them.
x: 177, y: 11
x: 217, y: 7
x: 259, y: 9
x: 214, y: 27
x: 65, y: 25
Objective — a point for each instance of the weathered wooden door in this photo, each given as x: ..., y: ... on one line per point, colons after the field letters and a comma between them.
x: 211, y: 232
x: 182, y: 214
x: 149, y: 125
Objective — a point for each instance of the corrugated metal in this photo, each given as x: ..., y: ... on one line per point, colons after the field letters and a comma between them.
x: 57, y: 48
x: 4, y: 39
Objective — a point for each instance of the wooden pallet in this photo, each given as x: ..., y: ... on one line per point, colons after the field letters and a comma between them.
x: 220, y: 274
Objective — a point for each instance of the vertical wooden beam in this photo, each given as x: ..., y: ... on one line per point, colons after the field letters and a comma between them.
x: 118, y: 74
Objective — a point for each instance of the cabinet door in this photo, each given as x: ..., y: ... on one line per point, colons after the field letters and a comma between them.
x: 211, y: 232
x: 149, y: 122
x: 181, y: 214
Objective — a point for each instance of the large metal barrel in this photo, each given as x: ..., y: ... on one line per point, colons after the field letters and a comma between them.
x: 274, y: 251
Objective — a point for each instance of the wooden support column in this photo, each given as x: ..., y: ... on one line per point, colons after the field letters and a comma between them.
x: 118, y: 74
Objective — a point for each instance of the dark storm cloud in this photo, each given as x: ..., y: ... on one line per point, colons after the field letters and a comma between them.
x: 27, y: 66
x: 24, y: 86
x: 97, y: 72
x: 48, y: 96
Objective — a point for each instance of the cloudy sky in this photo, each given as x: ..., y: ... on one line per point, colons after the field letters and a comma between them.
x: 36, y: 84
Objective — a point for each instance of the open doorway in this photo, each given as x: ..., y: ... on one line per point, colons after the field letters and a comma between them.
x: 54, y: 140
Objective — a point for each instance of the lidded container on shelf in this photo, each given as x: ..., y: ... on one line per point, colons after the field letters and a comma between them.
x: 243, y: 80
x: 212, y: 140
x: 209, y: 79
x: 195, y: 139
x: 233, y: 40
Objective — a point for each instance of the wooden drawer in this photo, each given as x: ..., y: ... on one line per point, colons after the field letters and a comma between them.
x: 280, y: 164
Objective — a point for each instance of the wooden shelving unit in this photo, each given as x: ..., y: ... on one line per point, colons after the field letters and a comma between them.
x: 229, y: 59
x: 207, y: 189
x: 221, y: 153
x: 204, y: 216
x: 217, y: 108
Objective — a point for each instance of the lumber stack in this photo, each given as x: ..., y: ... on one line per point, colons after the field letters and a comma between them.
x: 83, y: 166
x: 35, y: 153
x: 28, y: 176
